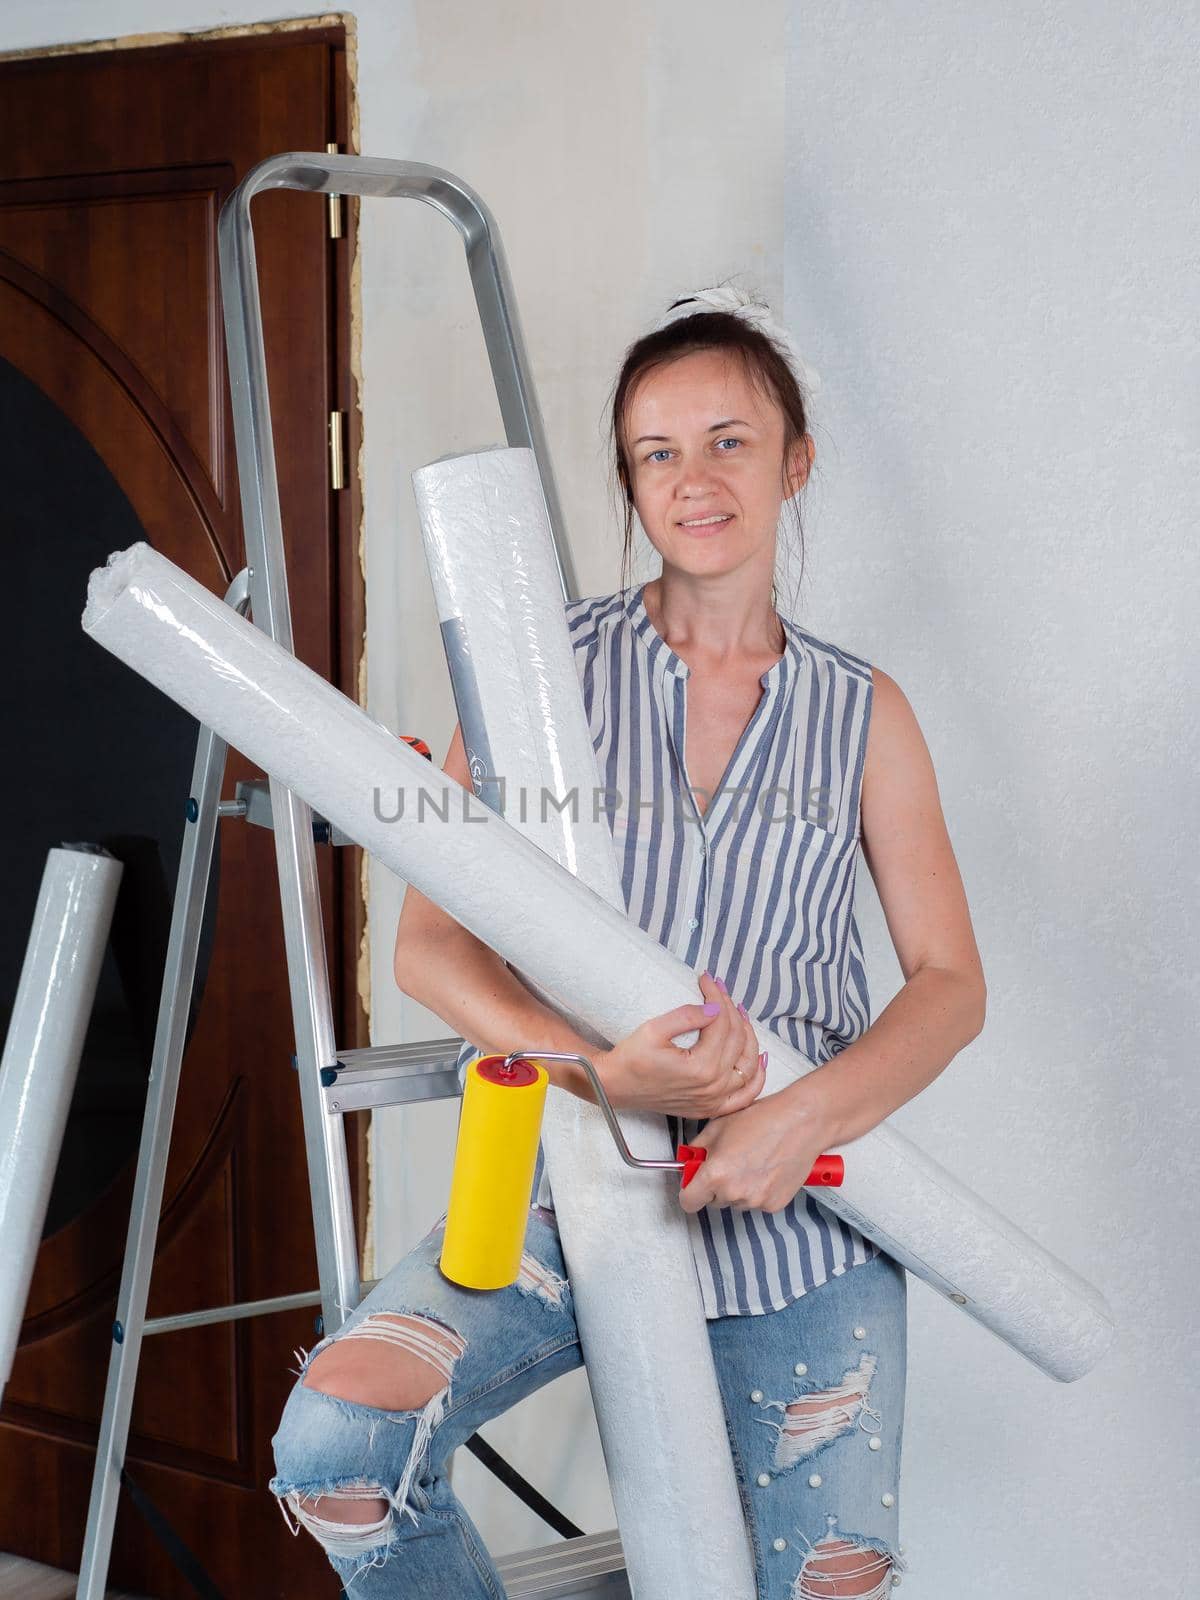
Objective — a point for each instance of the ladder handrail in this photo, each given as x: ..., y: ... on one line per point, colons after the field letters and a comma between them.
x: 329, y: 1080
x: 333, y: 1217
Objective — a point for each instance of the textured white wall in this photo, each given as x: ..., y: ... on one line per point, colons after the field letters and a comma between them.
x: 991, y: 253
x: 986, y: 226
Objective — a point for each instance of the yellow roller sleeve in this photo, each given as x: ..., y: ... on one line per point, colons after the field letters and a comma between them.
x: 494, y: 1161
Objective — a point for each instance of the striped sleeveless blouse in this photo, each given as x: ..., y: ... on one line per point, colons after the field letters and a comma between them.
x: 759, y: 891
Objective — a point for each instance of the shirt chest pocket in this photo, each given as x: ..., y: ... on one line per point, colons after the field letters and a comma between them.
x: 799, y: 880
x: 790, y: 845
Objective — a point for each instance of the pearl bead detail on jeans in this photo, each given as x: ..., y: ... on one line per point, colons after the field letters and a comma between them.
x: 801, y: 1369
x: 756, y: 1395
x: 888, y: 1499
x: 815, y: 1481
x: 876, y: 1443
x: 780, y: 1544
x: 764, y: 1479
x: 860, y: 1333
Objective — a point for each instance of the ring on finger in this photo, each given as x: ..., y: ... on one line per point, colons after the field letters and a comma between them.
x: 741, y: 1075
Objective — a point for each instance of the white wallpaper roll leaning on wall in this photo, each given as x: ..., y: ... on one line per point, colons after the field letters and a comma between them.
x: 46, y: 1032
x: 593, y: 959
x: 652, y: 1379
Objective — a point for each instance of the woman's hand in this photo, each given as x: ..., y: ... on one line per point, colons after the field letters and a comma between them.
x: 646, y: 1072
x: 758, y: 1157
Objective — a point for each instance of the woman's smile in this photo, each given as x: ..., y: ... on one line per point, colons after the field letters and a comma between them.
x: 708, y: 525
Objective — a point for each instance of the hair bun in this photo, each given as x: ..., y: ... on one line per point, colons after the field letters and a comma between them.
x: 731, y: 298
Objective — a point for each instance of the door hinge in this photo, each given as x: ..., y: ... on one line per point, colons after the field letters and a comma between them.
x: 336, y: 202
x: 337, y: 453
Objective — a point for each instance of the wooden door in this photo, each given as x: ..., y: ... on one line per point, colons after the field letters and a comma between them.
x: 114, y: 393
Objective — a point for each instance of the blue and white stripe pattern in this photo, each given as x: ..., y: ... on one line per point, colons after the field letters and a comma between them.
x: 759, y: 890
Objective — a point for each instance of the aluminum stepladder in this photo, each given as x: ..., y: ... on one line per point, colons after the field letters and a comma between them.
x: 332, y: 1082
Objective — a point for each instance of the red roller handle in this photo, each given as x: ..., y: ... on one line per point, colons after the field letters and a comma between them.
x: 828, y: 1170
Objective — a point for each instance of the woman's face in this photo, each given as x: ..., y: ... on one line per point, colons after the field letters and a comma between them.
x: 702, y: 442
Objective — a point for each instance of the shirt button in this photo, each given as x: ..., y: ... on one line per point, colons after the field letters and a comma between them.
x: 694, y: 924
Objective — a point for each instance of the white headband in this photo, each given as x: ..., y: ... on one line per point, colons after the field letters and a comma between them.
x: 740, y: 304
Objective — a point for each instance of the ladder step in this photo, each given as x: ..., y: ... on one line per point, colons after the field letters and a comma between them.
x: 252, y: 802
x: 591, y: 1568
x: 392, y: 1075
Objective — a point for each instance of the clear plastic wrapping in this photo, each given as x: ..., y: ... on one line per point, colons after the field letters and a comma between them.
x: 46, y: 1033
x: 577, y: 946
x: 638, y: 1306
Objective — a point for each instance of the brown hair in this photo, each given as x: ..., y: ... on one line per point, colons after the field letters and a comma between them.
x: 764, y: 364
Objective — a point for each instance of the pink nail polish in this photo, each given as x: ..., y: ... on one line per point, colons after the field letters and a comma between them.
x: 743, y: 1010
x: 711, y: 1008
x: 720, y: 983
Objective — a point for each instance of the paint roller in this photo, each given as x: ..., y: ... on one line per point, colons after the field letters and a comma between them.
x: 494, y: 1159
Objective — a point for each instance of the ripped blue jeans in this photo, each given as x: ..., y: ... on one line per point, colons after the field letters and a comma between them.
x: 814, y: 1407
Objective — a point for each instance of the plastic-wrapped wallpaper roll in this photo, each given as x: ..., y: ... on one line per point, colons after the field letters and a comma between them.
x: 46, y: 1033
x: 596, y: 962
x: 641, y: 1318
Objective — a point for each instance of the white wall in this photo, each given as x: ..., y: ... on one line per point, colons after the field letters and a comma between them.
x: 991, y: 251
x: 981, y: 227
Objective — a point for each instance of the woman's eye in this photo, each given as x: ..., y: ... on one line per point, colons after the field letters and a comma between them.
x: 728, y: 439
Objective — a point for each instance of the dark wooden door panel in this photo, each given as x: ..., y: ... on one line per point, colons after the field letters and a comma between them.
x: 114, y: 399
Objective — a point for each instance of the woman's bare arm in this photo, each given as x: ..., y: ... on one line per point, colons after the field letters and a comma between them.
x: 445, y: 967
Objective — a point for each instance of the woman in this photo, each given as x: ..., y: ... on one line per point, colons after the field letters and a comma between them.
x: 747, y: 760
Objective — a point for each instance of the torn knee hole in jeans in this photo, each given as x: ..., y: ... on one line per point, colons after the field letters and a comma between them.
x: 817, y: 1418
x: 424, y: 1335
x: 393, y: 1327
x: 844, y: 1565
x: 359, y: 1514
x: 348, y: 1520
x: 387, y: 1384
